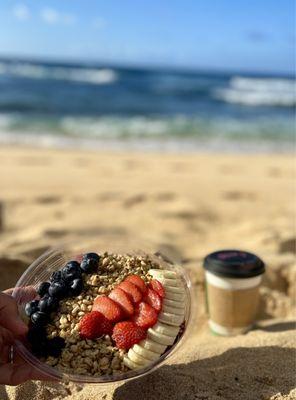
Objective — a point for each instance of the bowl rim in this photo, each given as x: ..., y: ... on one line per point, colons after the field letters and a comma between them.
x: 53, y: 373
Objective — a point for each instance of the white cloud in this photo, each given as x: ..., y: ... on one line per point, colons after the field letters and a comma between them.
x: 52, y: 16
x: 21, y: 12
x: 99, y: 23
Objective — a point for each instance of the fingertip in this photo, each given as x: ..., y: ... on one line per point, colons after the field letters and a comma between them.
x: 9, y: 316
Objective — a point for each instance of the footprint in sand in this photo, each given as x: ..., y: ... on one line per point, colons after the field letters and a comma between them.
x: 288, y: 246
x: 179, y: 167
x: 274, y: 172
x: 234, y: 195
x: 115, y: 230
x: 34, y: 161
x: 47, y: 199
x: 190, y: 215
x: 56, y: 233
x: 134, y: 200
x: 109, y: 196
x: 131, y: 164
x: 81, y: 162
x: 165, y: 196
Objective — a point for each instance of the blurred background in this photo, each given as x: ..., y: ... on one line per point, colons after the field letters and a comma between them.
x: 162, y: 125
x: 169, y: 75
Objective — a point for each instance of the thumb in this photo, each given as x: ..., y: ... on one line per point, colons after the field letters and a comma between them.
x: 9, y: 316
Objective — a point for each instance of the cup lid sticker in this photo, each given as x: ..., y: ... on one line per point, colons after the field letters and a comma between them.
x: 234, y: 264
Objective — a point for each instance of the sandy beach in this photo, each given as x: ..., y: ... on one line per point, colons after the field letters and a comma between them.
x: 186, y: 206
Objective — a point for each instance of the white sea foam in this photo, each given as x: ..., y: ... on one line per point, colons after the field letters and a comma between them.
x: 96, y: 76
x: 259, y: 91
x: 177, y: 133
x: 120, y: 126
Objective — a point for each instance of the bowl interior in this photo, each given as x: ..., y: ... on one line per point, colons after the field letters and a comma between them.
x: 41, y: 269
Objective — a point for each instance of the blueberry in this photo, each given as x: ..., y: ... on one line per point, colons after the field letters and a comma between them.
x: 71, y: 271
x: 39, y: 318
x: 43, y: 304
x: 52, y: 303
x: 76, y: 287
x: 94, y: 256
x: 58, y: 289
x: 43, y: 288
x: 90, y: 262
x: 56, y: 276
x: 48, y: 304
x: 40, y: 348
x: 55, y: 346
x: 38, y: 340
x: 31, y: 308
x: 36, y: 333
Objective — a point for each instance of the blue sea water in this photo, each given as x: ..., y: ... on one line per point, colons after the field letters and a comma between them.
x: 88, y: 105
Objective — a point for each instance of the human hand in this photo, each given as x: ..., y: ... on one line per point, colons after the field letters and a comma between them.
x: 11, y: 328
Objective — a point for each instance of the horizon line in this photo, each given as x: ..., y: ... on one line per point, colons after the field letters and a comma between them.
x: 139, y: 65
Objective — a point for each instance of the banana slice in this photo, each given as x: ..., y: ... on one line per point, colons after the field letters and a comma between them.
x: 136, y: 358
x: 172, y: 310
x: 152, y: 345
x: 170, y: 282
x: 170, y: 319
x: 174, y: 296
x: 165, y: 273
x: 174, y: 289
x: 165, y: 329
x: 173, y: 303
x: 160, y: 337
x: 130, y: 364
x: 148, y: 354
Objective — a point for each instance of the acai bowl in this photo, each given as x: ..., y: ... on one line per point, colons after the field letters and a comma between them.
x: 100, y: 316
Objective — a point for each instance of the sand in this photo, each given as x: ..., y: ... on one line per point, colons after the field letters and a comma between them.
x: 186, y: 206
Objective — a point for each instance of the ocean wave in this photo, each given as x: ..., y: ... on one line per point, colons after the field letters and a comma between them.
x: 141, y: 127
x: 259, y: 91
x: 96, y: 76
x: 122, y: 126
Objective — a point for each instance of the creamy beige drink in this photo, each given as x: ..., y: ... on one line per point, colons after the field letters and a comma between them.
x: 232, y: 286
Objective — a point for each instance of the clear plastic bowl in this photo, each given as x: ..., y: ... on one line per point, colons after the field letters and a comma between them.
x: 40, y: 271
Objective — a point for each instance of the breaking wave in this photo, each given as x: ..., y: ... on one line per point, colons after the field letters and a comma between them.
x: 96, y: 76
x: 259, y: 91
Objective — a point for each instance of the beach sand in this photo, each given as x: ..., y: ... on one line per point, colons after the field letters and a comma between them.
x: 185, y: 206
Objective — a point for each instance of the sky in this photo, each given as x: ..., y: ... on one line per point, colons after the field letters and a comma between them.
x: 253, y: 35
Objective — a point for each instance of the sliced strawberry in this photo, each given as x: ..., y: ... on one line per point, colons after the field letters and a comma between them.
x: 111, y: 310
x: 126, y: 334
x: 131, y: 290
x: 145, y: 316
x: 123, y: 300
x: 153, y: 299
x: 137, y: 281
x: 157, y: 286
x: 94, y: 325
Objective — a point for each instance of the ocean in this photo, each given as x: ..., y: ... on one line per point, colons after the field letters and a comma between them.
x: 96, y: 106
